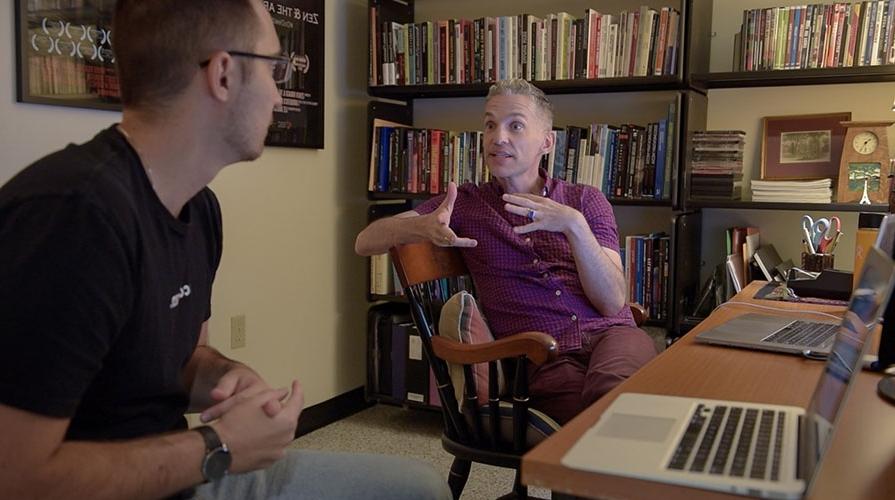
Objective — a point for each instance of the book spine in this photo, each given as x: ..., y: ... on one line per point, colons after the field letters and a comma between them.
x: 661, y: 141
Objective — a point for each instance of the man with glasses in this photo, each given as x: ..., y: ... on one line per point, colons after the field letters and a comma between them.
x: 281, y: 65
x: 108, y: 252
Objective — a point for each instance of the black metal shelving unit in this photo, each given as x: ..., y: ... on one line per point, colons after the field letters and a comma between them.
x: 789, y: 77
x: 684, y: 226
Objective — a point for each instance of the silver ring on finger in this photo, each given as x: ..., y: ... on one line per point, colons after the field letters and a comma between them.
x: 532, y: 214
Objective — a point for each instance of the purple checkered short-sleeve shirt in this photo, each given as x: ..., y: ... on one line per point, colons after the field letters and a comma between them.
x: 529, y: 282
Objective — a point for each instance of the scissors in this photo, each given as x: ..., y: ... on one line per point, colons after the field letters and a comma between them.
x: 814, y: 230
x: 830, y: 234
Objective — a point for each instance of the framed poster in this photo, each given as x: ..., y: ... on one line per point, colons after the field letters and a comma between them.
x: 299, y: 122
x: 64, y: 53
x: 802, y: 146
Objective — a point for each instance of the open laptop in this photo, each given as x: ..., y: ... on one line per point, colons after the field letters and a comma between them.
x: 762, y: 450
x: 773, y: 333
x: 781, y: 334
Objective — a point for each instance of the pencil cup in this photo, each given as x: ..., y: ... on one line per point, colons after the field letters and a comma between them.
x: 817, y: 262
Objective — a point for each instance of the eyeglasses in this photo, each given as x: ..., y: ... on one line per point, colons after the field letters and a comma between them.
x: 282, y: 65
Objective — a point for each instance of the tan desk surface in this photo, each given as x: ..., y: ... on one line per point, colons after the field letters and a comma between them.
x: 859, y: 464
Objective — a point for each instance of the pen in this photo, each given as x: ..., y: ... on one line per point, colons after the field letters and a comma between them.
x: 832, y: 246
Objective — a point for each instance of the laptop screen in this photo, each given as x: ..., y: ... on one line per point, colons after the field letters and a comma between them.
x: 864, y: 310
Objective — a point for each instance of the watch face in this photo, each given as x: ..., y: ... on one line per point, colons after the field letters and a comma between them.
x: 216, y: 464
x: 865, y: 143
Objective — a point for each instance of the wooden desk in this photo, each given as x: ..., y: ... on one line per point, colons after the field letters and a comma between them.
x: 859, y: 464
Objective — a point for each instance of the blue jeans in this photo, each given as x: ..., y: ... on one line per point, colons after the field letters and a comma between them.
x: 305, y: 474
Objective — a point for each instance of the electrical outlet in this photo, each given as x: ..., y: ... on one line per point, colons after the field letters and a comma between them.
x: 237, y: 331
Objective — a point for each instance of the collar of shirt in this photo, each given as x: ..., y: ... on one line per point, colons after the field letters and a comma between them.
x: 546, y: 191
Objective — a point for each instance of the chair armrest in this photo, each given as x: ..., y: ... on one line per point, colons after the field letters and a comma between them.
x: 538, y: 347
x: 639, y: 313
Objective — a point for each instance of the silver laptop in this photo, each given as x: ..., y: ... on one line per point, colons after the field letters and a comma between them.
x: 781, y: 334
x: 761, y: 450
x: 773, y: 333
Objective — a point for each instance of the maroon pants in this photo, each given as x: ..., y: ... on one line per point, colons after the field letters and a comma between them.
x: 566, y: 386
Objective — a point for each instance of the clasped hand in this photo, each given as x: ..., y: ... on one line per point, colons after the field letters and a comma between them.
x: 237, y: 384
x: 255, y: 421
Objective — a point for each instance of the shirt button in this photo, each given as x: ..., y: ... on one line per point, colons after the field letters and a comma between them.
x: 535, y: 262
x: 574, y: 318
x: 545, y: 275
x: 558, y: 293
x: 528, y: 240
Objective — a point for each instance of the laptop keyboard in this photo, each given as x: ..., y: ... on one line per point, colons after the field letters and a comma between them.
x: 803, y: 333
x: 731, y: 441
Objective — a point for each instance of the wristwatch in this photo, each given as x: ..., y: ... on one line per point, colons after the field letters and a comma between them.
x: 217, y: 456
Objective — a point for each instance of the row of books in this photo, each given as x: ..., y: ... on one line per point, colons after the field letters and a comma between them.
x: 418, y: 160
x: 740, y: 244
x: 816, y: 36
x: 646, y: 265
x: 626, y: 161
x: 716, y: 164
x: 56, y: 75
x: 559, y: 46
x: 645, y: 259
x: 34, y: 5
x: 383, y: 277
x: 398, y: 369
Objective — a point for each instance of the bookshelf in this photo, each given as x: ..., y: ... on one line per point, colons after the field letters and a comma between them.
x: 550, y: 87
x: 739, y: 99
x: 799, y: 207
x: 791, y: 77
x: 577, y: 101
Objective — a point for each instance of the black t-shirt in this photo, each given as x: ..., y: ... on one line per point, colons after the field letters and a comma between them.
x: 102, y: 291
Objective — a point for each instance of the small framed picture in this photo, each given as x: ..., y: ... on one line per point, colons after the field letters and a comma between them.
x: 802, y: 146
x: 64, y: 54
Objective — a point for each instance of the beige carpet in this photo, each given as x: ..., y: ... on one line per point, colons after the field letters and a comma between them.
x: 412, y: 433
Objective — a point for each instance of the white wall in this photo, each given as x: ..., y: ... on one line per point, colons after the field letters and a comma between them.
x: 289, y: 219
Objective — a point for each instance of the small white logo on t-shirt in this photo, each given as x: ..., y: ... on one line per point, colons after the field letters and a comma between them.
x: 184, y: 292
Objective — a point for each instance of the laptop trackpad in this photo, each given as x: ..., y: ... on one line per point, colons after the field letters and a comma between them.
x: 637, y: 427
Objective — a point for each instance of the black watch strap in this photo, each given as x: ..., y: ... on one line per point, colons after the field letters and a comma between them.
x: 210, y: 436
x: 216, y: 463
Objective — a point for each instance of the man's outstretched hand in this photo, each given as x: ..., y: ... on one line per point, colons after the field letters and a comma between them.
x: 439, y: 229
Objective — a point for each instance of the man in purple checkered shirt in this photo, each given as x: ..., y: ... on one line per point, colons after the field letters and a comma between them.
x: 543, y: 254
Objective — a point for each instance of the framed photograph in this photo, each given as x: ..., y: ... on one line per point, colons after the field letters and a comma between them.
x: 64, y: 53
x: 802, y: 146
x: 299, y: 122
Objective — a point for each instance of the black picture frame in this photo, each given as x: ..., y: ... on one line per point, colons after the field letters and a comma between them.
x: 64, y: 54
x: 300, y: 26
x: 64, y: 58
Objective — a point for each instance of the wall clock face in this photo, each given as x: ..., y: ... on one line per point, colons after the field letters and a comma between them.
x: 865, y: 143
x: 864, y: 164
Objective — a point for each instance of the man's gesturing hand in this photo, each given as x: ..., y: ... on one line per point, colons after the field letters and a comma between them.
x: 543, y: 213
x: 439, y: 229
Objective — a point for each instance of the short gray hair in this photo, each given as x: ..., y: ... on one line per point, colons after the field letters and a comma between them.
x: 519, y: 86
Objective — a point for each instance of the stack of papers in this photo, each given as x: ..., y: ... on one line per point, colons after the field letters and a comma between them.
x: 818, y: 191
